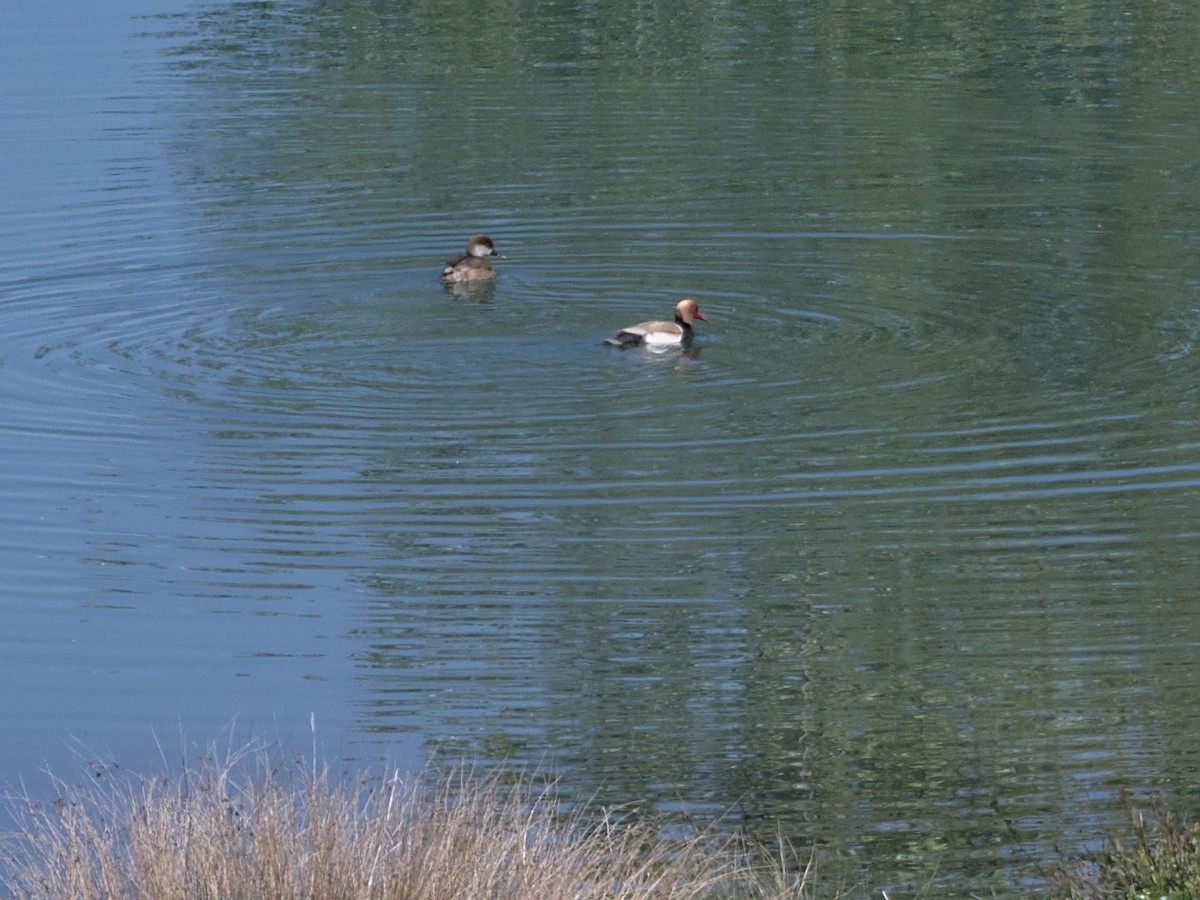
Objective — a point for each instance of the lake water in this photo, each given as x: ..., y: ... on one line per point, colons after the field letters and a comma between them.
x: 899, y: 560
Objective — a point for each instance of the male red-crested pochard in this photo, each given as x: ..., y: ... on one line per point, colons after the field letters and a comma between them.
x: 474, y: 264
x: 660, y: 334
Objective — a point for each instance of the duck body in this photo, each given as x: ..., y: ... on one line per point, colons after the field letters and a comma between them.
x: 473, y: 265
x: 661, y: 333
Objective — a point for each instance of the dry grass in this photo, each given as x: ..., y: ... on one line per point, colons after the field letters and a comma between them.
x: 246, y: 827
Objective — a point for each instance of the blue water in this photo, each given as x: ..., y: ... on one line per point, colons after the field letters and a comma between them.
x: 897, y: 559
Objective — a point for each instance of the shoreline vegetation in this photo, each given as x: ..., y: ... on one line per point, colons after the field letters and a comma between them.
x: 247, y: 824
x: 253, y: 824
x: 1159, y: 861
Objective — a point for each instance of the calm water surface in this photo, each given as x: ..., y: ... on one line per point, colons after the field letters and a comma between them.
x: 900, y: 559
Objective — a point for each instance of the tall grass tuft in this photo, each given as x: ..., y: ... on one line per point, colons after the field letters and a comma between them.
x: 1161, y: 862
x: 246, y: 826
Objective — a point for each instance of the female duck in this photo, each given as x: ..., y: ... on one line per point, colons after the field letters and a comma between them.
x: 472, y: 265
x: 662, y: 333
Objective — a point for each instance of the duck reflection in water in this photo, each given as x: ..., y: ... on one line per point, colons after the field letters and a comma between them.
x: 476, y: 291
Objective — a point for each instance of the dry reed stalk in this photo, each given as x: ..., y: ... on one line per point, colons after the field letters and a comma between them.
x: 245, y: 826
